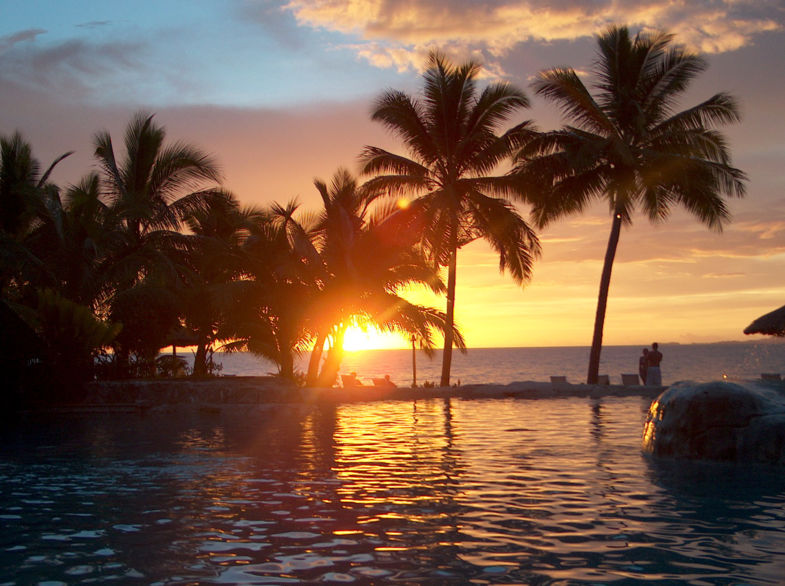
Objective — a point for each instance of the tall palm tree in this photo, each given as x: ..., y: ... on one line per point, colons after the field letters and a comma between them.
x: 156, y: 185
x: 628, y: 143
x: 451, y: 135
x: 151, y: 190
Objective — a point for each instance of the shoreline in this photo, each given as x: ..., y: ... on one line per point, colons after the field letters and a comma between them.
x: 135, y: 396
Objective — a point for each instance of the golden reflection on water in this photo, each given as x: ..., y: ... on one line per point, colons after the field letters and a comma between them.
x: 448, y: 470
x: 429, y: 476
x: 425, y: 491
x: 392, y: 455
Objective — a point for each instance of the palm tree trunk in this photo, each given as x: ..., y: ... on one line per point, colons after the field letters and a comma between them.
x: 450, y: 317
x: 313, y: 364
x: 332, y: 364
x: 200, y: 360
x: 286, y: 366
x: 602, y: 301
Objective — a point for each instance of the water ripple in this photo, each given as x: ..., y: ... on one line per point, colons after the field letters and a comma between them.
x: 491, y: 491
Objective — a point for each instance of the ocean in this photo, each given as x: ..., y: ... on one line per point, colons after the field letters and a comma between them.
x: 696, y: 362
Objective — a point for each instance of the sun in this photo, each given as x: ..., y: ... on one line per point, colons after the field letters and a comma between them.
x: 370, y: 338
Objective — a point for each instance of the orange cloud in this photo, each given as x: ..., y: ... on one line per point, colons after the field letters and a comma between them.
x: 396, y: 34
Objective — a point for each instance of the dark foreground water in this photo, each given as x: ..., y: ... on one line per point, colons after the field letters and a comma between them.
x: 432, y: 492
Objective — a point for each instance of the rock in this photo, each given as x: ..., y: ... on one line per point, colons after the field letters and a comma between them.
x: 718, y: 421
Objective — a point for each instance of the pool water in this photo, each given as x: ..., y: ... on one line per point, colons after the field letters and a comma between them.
x: 426, y: 492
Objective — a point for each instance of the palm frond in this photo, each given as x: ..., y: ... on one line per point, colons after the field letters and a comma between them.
x: 720, y: 109
x: 179, y: 168
x: 564, y: 87
x: 104, y: 152
x: 403, y: 116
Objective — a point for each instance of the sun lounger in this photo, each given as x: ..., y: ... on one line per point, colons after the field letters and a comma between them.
x: 347, y: 380
x: 630, y: 379
x: 558, y: 379
x: 383, y: 382
x: 603, y: 379
x: 770, y: 376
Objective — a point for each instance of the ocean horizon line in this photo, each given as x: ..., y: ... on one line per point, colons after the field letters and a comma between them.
x: 761, y: 340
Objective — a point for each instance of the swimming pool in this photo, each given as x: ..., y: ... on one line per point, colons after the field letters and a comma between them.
x: 437, y: 491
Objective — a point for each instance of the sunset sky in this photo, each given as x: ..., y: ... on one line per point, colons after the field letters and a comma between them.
x: 280, y: 92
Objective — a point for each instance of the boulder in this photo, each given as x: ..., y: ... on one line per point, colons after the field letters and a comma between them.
x: 718, y: 421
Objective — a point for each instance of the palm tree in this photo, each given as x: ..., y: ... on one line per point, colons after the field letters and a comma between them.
x: 629, y: 144
x: 216, y: 262
x: 24, y: 192
x: 58, y: 248
x: 72, y: 239
x: 451, y: 135
x: 281, y: 277
x: 366, y: 262
x: 156, y: 185
x: 151, y: 191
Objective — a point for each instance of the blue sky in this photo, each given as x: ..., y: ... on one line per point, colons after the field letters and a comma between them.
x: 200, y: 52
x: 280, y: 92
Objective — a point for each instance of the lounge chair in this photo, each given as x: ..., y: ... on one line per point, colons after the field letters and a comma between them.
x: 603, y: 379
x: 383, y: 382
x: 350, y: 380
x: 630, y: 380
x: 770, y: 376
x: 558, y: 379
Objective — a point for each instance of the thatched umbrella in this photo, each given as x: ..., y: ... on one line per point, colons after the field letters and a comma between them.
x: 771, y: 324
x: 180, y: 337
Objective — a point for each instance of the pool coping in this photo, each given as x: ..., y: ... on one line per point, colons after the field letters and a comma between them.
x: 142, y: 395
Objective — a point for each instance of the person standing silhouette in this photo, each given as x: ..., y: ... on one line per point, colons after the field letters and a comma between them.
x: 653, y: 373
x: 643, y: 365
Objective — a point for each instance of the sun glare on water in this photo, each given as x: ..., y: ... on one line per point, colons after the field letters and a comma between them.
x: 357, y: 339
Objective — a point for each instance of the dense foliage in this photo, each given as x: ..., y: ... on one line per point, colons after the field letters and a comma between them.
x: 151, y: 252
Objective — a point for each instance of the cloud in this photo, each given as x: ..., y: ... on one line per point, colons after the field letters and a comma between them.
x: 94, y: 24
x: 121, y: 70
x: 8, y: 41
x: 397, y: 35
x: 723, y: 275
x: 73, y: 69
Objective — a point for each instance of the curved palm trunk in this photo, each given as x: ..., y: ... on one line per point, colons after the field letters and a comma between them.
x: 332, y: 363
x: 602, y: 301
x: 313, y: 364
x: 286, y: 366
x: 203, y: 344
x: 450, y: 317
x: 284, y: 345
x: 200, y: 361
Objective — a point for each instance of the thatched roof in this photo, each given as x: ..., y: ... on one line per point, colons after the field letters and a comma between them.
x: 181, y: 337
x: 771, y: 324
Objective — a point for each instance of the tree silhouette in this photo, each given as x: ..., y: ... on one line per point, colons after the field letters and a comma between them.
x: 451, y: 135
x: 629, y: 144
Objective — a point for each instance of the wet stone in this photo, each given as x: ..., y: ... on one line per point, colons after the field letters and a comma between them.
x: 718, y: 421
